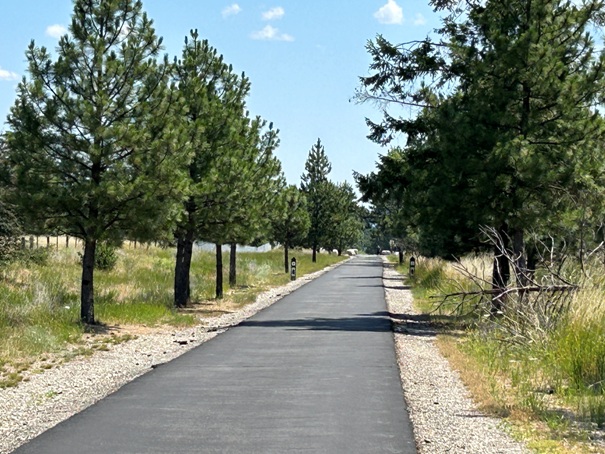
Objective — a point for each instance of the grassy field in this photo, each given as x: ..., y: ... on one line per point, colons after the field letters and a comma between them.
x: 549, y: 383
x: 39, y: 302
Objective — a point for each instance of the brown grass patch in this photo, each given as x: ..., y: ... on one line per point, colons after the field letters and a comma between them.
x: 480, y: 385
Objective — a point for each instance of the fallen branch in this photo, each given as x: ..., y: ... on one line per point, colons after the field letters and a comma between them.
x: 506, y: 291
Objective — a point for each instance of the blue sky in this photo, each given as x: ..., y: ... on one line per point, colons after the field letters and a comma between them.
x: 303, y: 59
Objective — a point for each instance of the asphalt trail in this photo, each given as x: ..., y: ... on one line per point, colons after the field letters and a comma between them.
x: 315, y: 372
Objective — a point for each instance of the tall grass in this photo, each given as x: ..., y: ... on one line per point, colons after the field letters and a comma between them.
x: 559, y: 380
x: 433, y: 278
x: 39, y: 299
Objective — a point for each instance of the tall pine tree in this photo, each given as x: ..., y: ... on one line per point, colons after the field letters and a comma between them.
x: 91, y: 141
x: 290, y: 226
x: 214, y: 97
x: 249, y: 179
x: 314, y: 185
x: 507, y: 127
x: 345, y: 224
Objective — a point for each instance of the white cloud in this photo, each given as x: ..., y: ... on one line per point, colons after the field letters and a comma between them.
x: 419, y: 19
x: 231, y: 10
x: 56, y: 31
x: 274, y: 13
x: 270, y: 33
x: 8, y: 75
x: 391, y: 13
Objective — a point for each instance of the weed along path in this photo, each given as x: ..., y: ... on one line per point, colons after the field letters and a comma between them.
x: 315, y: 372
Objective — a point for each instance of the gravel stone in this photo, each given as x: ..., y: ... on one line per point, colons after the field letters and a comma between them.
x: 48, y: 398
x: 444, y: 417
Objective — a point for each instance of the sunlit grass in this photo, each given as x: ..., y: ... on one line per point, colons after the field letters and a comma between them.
x: 553, y: 391
x: 39, y: 302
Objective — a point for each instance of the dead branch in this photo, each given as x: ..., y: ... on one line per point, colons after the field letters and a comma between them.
x: 527, y: 307
x: 507, y: 291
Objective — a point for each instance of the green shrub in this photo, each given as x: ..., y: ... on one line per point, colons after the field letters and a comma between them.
x: 106, y: 256
x: 9, y: 248
x: 38, y: 256
x: 9, y: 234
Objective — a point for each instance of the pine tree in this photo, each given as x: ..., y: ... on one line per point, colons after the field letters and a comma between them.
x: 249, y: 180
x: 315, y: 187
x: 10, y: 226
x: 290, y: 226
x: 91, y: 144
x: 508, y: 127
x: 256, y: 181
x: 214, y: 97
x: 233, y: 170
x: 10, y: 229
x: 345, y: 225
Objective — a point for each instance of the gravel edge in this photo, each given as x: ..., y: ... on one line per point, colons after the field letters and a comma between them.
x: 444, y: 417
x: 53, y: 396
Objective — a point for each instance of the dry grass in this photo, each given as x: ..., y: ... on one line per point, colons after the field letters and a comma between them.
x: 39, y: 301
x: 551, y: 393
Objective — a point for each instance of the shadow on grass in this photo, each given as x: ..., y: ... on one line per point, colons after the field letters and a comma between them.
x: 426, y: 324
x: 98, y: 327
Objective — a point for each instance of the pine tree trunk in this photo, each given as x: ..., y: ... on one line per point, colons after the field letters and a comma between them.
x: 233, y: 265
x: 532, y: 260
x: 219, y: 271
x: 182, y: 270
x: 87, y: 310
x: 286, y: 259
x: 400, y: 256
x: 314, y: 253
x: 67, y: 241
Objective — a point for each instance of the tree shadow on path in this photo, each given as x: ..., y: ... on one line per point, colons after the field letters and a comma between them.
x: 382, y: 321
x: 370, y: 323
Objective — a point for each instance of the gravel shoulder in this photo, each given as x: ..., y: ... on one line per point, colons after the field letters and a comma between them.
x: 53, y: 396
x: 444, y: 417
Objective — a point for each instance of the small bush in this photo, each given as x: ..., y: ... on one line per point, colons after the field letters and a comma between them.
x: 9, y: 234
x: 106, y: 256
x: 9, y: 248
x: 38, y: 256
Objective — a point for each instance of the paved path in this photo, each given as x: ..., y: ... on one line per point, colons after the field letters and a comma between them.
x: 315, y: 373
